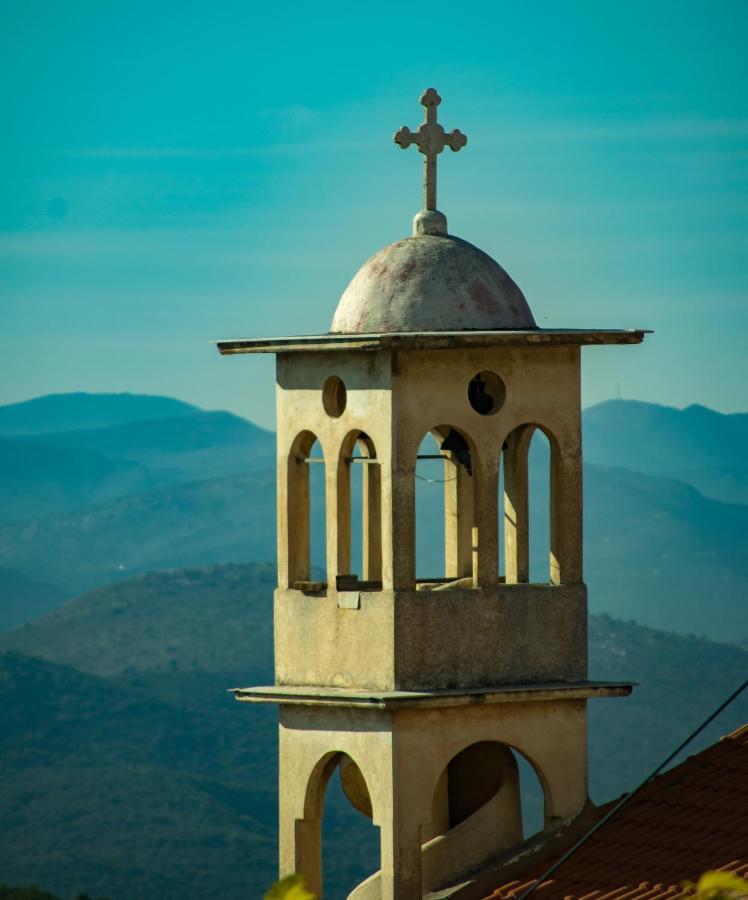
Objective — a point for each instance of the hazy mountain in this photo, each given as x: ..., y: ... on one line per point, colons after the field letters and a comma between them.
x: 112, y: 789
x: 63, y: 412
x: 152, y: 783
x: 23, y: 598
x: 659, y: 552
x: 131, y: 772
x: 38, y: 480
x: 152, y: 778
x: 656, y: 550
x: 59, y: 472
x: 218, y: 520
x: 215, y: 618
x: 177, y: 448
x: 698, y: 445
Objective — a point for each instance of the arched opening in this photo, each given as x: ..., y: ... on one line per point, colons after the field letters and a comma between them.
x: 532, y: 797
x: 445, y: 504
x: 484, y: 803
x: 502, y: 526
x: 306, y: 515
x: 350, y: 842
x: 359, y: 518
x: 539, y: 465
x: 493, y: 787
x: 528, y: 527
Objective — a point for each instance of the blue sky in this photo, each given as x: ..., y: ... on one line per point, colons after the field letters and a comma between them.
x: 174, y: 173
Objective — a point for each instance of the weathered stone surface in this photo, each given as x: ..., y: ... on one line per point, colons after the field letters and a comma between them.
x: 403, y: 756
x: 431, y: 283
x: 426, y: 640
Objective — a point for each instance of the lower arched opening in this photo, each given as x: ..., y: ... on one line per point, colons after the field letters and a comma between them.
x: 487, y: 801
x: 350, y: 842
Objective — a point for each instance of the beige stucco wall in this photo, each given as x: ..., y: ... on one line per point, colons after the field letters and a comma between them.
x: 412, y: 640
x: 402, y: 756
x: 400, y: 638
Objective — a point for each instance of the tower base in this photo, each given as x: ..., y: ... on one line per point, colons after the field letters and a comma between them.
x: 401, y: 751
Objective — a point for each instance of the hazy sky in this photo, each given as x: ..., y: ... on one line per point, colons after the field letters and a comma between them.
x: 174, y: 173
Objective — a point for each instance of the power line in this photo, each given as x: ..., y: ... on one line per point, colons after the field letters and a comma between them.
x: 626, y: 797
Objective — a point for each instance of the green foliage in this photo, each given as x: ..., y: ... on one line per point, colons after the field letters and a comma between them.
x: 292, y: 887
x: 717, y: 885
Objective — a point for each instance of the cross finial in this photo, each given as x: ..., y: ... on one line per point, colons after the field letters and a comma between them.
x: 430, y: 139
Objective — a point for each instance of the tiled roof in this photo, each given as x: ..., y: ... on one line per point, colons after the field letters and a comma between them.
x: 684, y: 822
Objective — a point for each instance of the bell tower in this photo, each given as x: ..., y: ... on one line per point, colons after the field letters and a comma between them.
x: 423, y: 689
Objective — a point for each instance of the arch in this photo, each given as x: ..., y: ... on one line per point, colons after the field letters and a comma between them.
x: 515, y: 509
x: 354, y: 784
x: 470, y: 766
x: 457, y: 474
x: 350, y: 791
x: 301, y: 483
x: 357, y: 460
x: 477, y: 811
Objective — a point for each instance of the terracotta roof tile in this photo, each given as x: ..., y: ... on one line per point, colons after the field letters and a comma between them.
x: 687, y: 820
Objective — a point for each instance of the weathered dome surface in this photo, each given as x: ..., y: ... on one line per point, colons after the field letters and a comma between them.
x: 431, y: 282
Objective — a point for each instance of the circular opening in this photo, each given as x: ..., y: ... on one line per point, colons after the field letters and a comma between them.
x: 486, y: 393
x: 334, y: 396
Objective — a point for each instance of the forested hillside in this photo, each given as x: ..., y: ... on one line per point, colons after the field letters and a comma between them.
x: 129, y: 769
x: 132, y: 771
x: 656, y: 550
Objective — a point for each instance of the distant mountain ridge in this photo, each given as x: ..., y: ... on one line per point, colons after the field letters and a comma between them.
x: 216, y: 520
x: 94, y: 505
x: 64, y: 412
x: 38, y: 480
x: 180, y: 448
x: 130, y: 771
x: 656, y: 550
x: 707, y: 449
x: 187, y: 432
x: 57, y: 473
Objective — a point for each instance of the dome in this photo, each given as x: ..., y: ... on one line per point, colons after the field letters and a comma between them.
x: 431, y: 282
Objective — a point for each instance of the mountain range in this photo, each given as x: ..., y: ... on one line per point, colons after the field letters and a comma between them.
x: 132, y: 773
x: 67, y: 412
x: 96, y: 503
x: 696, y: 445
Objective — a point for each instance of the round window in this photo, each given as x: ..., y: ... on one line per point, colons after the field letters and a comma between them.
x: 334, y: 396
x: 486, y: 393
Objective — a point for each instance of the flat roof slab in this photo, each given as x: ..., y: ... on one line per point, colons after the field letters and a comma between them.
x: 514, y: 693
x: 433, y: 340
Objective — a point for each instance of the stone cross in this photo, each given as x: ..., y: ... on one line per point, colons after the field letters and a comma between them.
x: 430, y: 139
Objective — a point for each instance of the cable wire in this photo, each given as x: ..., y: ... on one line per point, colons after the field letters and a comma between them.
x: 626, y: 797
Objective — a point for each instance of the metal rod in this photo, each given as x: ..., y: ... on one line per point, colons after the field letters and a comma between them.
x: 432, y: 456
x: 362, y: 459
x: 309, y: 459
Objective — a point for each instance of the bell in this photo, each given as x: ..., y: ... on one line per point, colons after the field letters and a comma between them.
x: 481, y: 402
x: 455, y: 443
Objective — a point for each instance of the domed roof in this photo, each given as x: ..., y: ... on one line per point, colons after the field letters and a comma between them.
x: 431, y: 282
